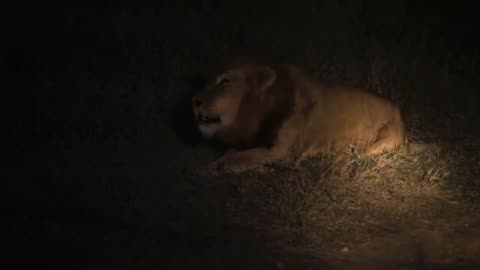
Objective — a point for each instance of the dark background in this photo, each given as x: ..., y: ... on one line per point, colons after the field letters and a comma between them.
x: 121, y: 65
x: 98, y: 138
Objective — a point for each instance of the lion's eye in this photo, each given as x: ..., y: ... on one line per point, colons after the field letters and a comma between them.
x: 223, y: 82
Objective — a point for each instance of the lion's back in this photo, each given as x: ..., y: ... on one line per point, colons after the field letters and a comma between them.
x: 343, y: 116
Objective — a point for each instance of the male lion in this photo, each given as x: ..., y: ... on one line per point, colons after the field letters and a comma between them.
x: 268, y: 113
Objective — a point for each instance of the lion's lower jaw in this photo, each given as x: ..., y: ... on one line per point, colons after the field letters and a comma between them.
x: 207, y: 131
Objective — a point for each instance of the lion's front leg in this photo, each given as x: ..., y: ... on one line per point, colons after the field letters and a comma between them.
x: 237, y: 162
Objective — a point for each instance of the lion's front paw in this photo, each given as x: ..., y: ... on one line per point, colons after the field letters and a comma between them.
x: 212, y: 169
x: 231, y: 162
x: 236, y: 162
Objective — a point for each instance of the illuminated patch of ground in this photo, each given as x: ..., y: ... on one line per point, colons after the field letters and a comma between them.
x: 395, y: 210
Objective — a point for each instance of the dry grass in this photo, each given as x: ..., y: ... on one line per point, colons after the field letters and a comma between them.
x: 344, y: 207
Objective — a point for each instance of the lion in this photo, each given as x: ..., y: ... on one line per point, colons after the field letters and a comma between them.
x: 267, y: 113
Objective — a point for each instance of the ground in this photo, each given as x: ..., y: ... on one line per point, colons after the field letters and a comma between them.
x: 114, y: 208
x: 101, y: 148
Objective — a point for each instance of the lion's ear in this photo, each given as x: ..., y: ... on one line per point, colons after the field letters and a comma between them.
x: 264, y: 77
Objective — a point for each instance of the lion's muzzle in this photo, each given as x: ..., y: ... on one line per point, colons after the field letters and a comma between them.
x: 201, y: 114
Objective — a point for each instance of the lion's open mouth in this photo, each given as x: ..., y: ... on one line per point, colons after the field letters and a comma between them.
x: 203, y: 119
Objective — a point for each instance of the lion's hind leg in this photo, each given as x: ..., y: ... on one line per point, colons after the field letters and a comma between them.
x: 390, y: 137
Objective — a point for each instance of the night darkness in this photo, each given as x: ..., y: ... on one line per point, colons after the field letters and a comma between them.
x: 101, y: 143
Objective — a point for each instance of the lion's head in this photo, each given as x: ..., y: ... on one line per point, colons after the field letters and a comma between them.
x: 233, y: 107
